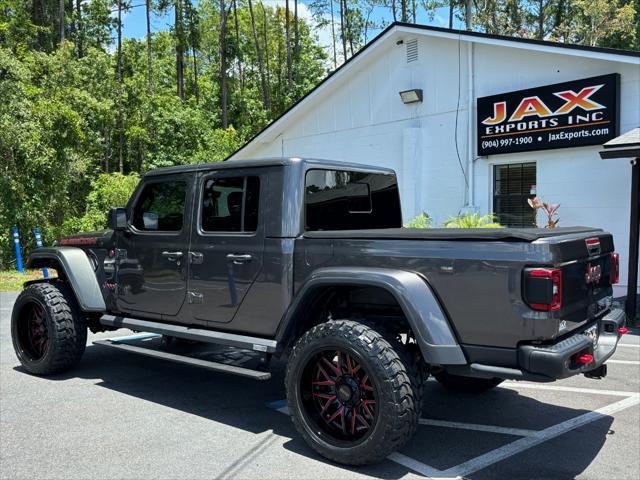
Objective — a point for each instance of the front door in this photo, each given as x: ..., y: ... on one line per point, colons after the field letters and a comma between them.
x: 227, y: 243
x: 152, y: 252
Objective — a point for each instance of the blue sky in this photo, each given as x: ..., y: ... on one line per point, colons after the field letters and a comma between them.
x: 134, y: 22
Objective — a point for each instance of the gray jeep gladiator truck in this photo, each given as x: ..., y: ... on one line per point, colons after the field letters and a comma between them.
x: 307, y: 260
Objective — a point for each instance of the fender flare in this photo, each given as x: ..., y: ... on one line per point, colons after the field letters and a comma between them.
x: 417, y: 300
x: 77, y: 269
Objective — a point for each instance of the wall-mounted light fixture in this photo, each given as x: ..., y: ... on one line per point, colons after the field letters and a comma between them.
x: 411, y: 96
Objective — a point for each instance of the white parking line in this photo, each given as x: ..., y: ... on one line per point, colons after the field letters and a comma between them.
x: 530, y: 438
x: 526, y: 443
x: 626, y: 362
x: 519, y: 432
x: 416, y: 466
x: 536, y: 386
x: 632, y: 345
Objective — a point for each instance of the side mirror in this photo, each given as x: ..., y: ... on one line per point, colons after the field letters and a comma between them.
x: 117, y: 218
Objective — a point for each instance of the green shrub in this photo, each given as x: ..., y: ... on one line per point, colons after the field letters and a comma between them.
x: 472, y: 220
x: 107, y: 190
x: 421, y: 221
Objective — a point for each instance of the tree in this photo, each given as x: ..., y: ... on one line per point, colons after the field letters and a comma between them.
x: 149, y: 54
x: 263, y: 79
x: 120, y: 86
x: 223, y: 64
x: 80, y: 29
x: 343, y: 35
x: 287, y: 16
x: 324, y: 15
x: 605, y: 23
x: 238, y: 49
x: 61, y: 19
x: 179, y: 32
x: 194, y: 41
x: 296, y: 41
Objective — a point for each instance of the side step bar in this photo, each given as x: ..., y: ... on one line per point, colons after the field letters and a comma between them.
x: 215, y: 366
x: 198, y: 334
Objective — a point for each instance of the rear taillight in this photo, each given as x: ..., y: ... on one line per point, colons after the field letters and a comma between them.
x: 614, y: 269
x: 543, y: 288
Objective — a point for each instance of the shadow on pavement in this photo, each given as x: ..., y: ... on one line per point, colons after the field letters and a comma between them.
x: 241, y: 403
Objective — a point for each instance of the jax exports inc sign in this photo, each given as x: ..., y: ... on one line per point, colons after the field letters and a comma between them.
x: 570, y: 114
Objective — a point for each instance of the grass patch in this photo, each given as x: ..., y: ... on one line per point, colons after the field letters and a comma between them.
x: 11, y: 280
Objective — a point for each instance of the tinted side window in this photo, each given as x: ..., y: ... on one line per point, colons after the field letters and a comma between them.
x: 160, y: 207
x: 343, y: 200
x: 230, y: 204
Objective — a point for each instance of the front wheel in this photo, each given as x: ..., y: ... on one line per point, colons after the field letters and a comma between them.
x: 352, y: 391
x: 48, y: 330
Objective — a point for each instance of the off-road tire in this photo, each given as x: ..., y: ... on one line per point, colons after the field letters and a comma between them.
x: 460, y: 384
x: 65, y: 324
x: 390, y: 367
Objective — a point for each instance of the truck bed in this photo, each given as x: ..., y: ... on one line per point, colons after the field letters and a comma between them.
x: 487, y: 234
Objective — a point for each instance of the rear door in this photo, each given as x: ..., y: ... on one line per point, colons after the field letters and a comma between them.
x: 227, y: 243
x: 151, y: 258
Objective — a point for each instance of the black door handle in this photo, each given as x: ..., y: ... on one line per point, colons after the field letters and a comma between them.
x: 172, y: 256
x: 239, y: 258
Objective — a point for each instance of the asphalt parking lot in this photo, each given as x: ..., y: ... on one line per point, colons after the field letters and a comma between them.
x: 120, y: 415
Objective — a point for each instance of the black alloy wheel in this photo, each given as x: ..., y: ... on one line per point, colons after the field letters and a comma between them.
x: 339, y: 395
x: 353, y: 391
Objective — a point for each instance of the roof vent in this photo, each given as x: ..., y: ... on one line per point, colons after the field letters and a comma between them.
x: 412, y: 50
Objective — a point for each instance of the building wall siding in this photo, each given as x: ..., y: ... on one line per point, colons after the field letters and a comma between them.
x: 362, y: 119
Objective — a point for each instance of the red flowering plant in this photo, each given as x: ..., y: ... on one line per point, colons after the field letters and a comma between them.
x: 551, y: 211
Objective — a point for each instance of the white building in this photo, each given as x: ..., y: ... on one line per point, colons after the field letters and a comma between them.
x: 356, y: 114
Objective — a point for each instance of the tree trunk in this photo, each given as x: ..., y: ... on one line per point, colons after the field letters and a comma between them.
x: 61, y: 19
x: 179, y: 49
x: 343, y: 35
x: 451, y: 3
x: 107, y: 150
x: 287, y: 37
x: 223, y: 64
x: 540, y: 19
x: 149, y: 58
x: 296, y: 40
x: 413, y: 10
x: 266, y: 47
x: 239, y: 54
x: 80, y: 35
x: 72, y: 24
x: 347, y: 22
x: 468, y: 15
x: 393, y: 10
x: 263, y: 81
x: 403, y: 10
x: 194, y: 58
x: 333, y: 38
x: 119, y: 80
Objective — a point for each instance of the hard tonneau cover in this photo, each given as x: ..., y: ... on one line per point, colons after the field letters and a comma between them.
x: 487, y: 234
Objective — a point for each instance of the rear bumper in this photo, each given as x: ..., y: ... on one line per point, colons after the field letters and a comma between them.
x: 558, y: 360
x: 546, y: 363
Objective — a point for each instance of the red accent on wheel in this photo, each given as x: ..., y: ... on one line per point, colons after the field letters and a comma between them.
x: 342, y: 398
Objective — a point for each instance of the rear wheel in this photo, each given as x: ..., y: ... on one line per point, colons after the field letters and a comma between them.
x: 48, y: 330
x: 352, y: 392
x: 458, y: 383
